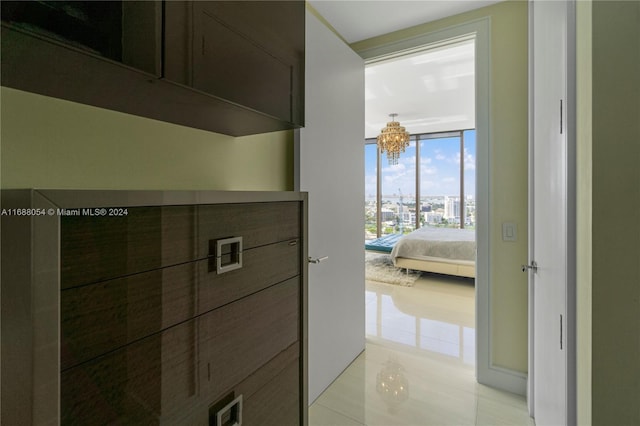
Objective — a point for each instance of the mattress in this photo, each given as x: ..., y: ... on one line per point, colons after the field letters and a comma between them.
x: 428, y: 243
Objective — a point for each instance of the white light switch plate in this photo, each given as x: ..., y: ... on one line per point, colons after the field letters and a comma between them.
x: 509, y: 231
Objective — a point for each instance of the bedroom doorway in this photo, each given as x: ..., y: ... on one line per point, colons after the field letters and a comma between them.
x: 477, y: 31
x: 430, y: 190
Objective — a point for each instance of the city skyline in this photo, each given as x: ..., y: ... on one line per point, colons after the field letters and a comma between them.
x: 439, y: 172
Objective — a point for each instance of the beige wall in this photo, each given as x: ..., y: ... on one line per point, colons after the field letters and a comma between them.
x: 52, y: 143
x: 615, y: 191
x: 508, y: 174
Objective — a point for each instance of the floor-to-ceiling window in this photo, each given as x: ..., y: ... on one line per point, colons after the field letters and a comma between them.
x: 371, y: 190
x: 433, y: 184
x: 431, y: 90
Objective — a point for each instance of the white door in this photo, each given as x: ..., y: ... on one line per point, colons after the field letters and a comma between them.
x: 551, y: 209
x: 331, y: 169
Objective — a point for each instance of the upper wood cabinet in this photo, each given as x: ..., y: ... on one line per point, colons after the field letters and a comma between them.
x: 230, y: 67
x: 250, y: 52
x: 124, y: 31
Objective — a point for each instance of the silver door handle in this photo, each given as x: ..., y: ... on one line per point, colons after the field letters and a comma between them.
x: 533, y: 267
x: 317, y: 259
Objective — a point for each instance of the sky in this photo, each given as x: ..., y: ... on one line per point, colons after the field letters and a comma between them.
x: 439, y: 169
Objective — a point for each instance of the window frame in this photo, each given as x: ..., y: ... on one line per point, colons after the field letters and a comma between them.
x: 417, y: 138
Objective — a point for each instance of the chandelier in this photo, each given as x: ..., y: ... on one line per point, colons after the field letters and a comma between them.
x: 393, y: 139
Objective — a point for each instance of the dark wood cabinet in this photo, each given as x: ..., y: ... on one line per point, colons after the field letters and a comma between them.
x: 250, y: 52
x: 230, y: 67
x: 127, y: 32
x: 151, y: 329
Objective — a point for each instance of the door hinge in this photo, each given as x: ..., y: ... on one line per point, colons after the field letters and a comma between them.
x: 560, y: 331
x: 561, y: 117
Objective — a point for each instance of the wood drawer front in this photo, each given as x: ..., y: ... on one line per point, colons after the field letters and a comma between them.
x: 257, y: 223
x: 278, y: 402
x: 156, y: 377
x: 137, y: 384
x: 237, y: 339
x: 97, y: 248
x: 101, y: 317
x: 271, y: 395
x: 262, y: 267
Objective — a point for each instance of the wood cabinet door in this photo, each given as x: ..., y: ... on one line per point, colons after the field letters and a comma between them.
x: 248, y: 53
x: 128, y: 32
x: 231, y: 65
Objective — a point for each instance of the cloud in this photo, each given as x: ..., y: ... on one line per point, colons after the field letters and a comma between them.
x: 409, y: 160
x: 394, y: 168
x: 428, y: 170
x: 427, y: 184
x: 469, y: 160
x: 370, y: 186
x: 439, y: 171
x: 389, y: 178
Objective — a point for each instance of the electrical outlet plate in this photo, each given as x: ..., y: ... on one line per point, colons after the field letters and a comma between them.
x: 509, y: 231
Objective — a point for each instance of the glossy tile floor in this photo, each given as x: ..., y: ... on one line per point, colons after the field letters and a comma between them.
x: 418, y: 365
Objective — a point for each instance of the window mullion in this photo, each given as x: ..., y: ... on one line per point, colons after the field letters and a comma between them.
x: 379, y: 192
x: 462, y: 206
x: 418, y: 203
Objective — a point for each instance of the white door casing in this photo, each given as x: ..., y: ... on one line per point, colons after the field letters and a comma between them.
x: 552, y: 215
x: 330, y: 166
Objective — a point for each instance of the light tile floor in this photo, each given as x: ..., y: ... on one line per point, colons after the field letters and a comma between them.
x: 418, y: 365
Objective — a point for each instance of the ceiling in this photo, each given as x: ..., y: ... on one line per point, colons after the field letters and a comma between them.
x: 357, y: 20
x: 431, y: 91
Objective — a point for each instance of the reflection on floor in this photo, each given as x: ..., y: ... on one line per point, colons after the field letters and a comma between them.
x: 418, y: 365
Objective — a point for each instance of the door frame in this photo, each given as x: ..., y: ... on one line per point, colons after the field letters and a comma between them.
x: 486, y: 372
x: 571, y: 229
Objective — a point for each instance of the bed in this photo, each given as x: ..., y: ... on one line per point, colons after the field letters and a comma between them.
x: 441, y: 250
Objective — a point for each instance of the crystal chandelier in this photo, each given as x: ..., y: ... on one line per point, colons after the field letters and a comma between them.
x: 393, y: 139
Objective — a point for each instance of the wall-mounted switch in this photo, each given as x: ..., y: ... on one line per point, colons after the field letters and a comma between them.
x: 509, y: 231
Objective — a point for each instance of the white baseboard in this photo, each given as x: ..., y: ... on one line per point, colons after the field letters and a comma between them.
x: 504, y: 379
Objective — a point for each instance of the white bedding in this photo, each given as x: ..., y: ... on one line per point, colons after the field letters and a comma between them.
x: 427, y: 243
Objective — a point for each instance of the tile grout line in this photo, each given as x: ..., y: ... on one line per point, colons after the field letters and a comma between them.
x: 341, y: 414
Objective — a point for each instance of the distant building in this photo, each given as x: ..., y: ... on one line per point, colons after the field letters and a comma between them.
x: 452, y: 208
x: 408, y: 218
x: 387, y: 215
x: 433, y: 218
